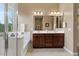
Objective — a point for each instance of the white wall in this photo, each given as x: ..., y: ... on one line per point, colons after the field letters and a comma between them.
x: 68, y: 18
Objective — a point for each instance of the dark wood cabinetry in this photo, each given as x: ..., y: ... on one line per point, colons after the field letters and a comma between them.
x: 48, y: 40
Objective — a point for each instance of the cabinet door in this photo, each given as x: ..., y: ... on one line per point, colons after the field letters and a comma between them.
x: 36, y: 41
x: 42, y: 41
x: 54, y: 42
x: 48, y: 40
x: 59, y: 40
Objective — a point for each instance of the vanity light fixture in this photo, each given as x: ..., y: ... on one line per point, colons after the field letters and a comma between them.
x: 38, y: 13
x: 56, y: 14
x: 52, y: 13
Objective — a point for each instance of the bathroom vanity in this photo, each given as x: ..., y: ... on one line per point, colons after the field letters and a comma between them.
x: 48, y: 31
x: 48, y: 39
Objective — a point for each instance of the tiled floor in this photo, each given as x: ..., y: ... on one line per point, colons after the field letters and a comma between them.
x: 48, y: 52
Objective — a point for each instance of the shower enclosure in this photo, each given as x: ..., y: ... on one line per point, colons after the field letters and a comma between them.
x: 8, y: 29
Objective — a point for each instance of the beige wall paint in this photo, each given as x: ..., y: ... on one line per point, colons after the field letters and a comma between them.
x: 71, y: 37
x: 26, y: 10
x: 76, y: 30
x: 68, y: 18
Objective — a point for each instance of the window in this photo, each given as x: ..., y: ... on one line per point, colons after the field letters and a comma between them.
x: 10, y: 17
x: 1, y: 17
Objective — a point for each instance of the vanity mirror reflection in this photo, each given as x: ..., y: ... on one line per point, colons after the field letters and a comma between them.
x: 57, y: 22
x: 38, y: 22
x: 48, y: 22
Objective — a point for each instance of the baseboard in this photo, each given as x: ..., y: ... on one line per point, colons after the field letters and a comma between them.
x: 72, y: 53
x: 26, y: 49
x: 75, y: 54
x: 69, y: 51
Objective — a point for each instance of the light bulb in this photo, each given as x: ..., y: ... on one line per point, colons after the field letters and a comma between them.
x: 58, y: 13
x: 54, y: 12
x: 34, y: 13
x: 38, y: 13
x: 51, y: 12
x: 41, y: 13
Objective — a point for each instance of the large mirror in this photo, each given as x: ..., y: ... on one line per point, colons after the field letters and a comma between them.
x: 57, y: 22
x: 48, y: 22
x: 38, y: 22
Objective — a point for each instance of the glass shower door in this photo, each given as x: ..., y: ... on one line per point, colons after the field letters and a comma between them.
x: 8, y: 29
x: 12, y: 29
x: 2, y: 30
